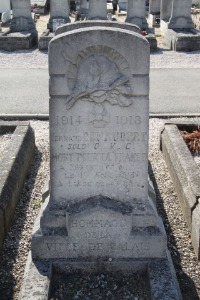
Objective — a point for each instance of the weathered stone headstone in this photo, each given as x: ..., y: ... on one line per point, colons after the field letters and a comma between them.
x: 136, y: 13
x: 165, y: 10
x: 22, y: 19
x: 97, y: 10
x: 99, y: 215
x: 154, y: 11
x: 181, y: 15
x: 99, y: 203
x: 22, y: 33
x: 59, y: 9
x: 154, y: 6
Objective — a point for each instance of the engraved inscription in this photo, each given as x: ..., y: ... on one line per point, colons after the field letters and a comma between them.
x: 122, y: 248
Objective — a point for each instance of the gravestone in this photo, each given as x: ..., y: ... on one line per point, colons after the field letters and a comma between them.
x: 59, y: 11
x: 165, y: 10
x: 22, y: 19
x: 178, y: 29
x: 181, y: 15
x: 99, y: 148
x: 59, y: 14
x: 100, y: 214
x: 154, y: 6
x: 22, y: 33
x: 154, y: 11
x: 97, y: 10
x: 136, y: 13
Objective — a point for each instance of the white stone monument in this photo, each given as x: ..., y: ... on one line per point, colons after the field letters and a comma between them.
x: 22, y: 19
x: 165, y: 10
x: 99, y: 204
x: 136, y: 13
x: 97, y: 10
x: 181, y: 15
x: 177, y: 26
x: 154, y: 11
x: 59, y: 11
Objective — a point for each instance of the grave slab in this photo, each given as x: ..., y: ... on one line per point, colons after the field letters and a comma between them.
x: 185, y: 175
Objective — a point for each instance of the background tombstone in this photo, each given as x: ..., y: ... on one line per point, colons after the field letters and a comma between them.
x: 22, y: 19
x: 154, y: 11
x: 59, y: 10
x: 136, y: 13
x: 97, y: 10
x: 22, y: 33
x: 181, y: 15
x: 178, y: 30
x: 165, y: 10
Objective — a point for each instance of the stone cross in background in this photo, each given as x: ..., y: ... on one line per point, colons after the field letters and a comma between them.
x: 59, y: 13
x: 22, y: 19
x: 136, y: 13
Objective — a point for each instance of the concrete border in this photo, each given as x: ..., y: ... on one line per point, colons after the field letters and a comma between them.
x: 185, y: 175
x: 161, y: 275
x: 15, y: 163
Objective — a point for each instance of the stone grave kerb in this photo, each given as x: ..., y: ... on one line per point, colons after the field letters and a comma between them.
x: 22, y: 19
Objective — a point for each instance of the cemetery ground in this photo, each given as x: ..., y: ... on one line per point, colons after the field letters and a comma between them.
x: 17, y: 243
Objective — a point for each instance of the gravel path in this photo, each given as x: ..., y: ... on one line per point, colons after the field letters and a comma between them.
x: 17, y: 243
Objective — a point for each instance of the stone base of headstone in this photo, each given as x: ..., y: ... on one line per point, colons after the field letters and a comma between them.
x: 21, y: 24
x: 180, y: 22
x: 50, y: 24
x: 45, y: 39
x: 12, y: 41
x: 54, y: 231
x: 151, y: 38
x: 182, y: 40
x: 40, y: 276
x: 140, y: 22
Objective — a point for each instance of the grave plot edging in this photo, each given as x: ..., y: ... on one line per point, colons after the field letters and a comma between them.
x: 186, y: 178
x: 15, y: 163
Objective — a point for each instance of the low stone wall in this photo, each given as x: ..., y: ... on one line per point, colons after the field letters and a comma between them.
x: 185, y: 175
x: 14, y: 165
